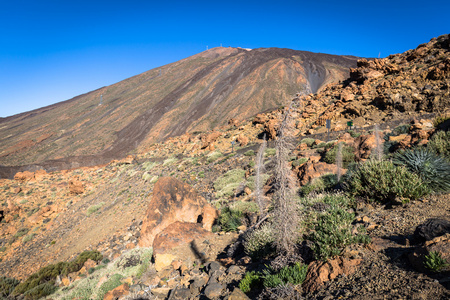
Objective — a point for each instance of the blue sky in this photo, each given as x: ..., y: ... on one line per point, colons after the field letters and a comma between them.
x: 53, y: 50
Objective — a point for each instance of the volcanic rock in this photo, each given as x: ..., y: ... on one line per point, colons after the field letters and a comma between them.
x: 174, y: 201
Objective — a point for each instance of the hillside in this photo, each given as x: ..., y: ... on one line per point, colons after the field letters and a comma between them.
x: 357, y: 241
x: 198, y: 93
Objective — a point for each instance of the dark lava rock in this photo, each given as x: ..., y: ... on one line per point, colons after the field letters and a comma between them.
x: 430, y: 229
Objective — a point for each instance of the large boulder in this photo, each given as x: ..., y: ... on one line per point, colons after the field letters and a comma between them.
x: 173, y: 201
x: 180, y: 241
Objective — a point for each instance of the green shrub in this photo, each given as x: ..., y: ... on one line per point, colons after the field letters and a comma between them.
x: 250, y: 281
x: 21, y: 232
x: 258, y: 243
x: 383, y: 181
x: 434, y: 262
x: 440, y: 118
x: 230, y: 219
x: 295, y: 275
x: 440, y: 144
x: 249, y: 153
x: 307, y: 141
x: 332, y: 233
x: 40, y: 291
x: 245, y: 207
x: 169, y: 161
x: 109, y: 285
x: 41, y: 282
x: 93, y: 208
x: 317, y: 185
x: 299, y: 161
x: 270, y: 152
x: 7, y: 286
x: 251, y: 181
x: 201, y: 174
x: 28, y: 237
x: 227, y: 184
x: 432, y: 169
x: 353, y: 133
x: 148, y: 165
x: 213, y: 156
x: 348, y: 155
x: 146, y: 176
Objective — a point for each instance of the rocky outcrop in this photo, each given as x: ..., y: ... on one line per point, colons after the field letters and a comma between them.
x: 320, y: 272
x: 174, y: 201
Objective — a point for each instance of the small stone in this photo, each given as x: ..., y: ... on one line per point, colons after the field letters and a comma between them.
x: 180, y: 294
x: 233, y: 269
x: 212, y: 266
x: 213, y: 290
x: 237, y: 294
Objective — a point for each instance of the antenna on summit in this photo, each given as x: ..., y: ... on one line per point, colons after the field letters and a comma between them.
x: 206, y: 47
x: 101, y: 100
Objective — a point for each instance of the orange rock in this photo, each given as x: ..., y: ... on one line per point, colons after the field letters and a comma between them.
x: 177, y: 242
x: 320, y: 272
x: 118, y: 292
x: 22, y: 176
x: 173, y: 201
x: 311, y: 170
x: 40, y: 174
x: 242, y: 139
x: 76, y: 187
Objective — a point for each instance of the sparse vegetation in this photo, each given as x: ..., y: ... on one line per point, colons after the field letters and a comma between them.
x: 94, y: 208
x: 249, y: 153
x: 213, y: 156
x: 227, y: 184
x: 348, y: 155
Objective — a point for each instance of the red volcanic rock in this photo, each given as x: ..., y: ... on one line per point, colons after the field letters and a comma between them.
x: 76, y: 187
x: 320, y: 272
x: 209, y: 139
x: 312, y: 170
x: 25, y: 175
x: 180, y: 241
x: 173, y: 201
x: 118, y: 292
x: 242, y: 140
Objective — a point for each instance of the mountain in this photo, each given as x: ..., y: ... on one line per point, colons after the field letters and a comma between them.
x: 396, y: 103
x: 199, y: 93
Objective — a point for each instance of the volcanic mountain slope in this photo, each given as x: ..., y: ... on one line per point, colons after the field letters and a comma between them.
x: 195, y: 94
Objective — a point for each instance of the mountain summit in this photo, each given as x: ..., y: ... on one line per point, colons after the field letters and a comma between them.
x: 199, y: 93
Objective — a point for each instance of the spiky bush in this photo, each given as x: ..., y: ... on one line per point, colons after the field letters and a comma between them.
x: 270, y: 152
x: 109, y: 285
x: 440, y: 144
x: 384, y: 182
x: 434, y: 262
x: 258, y: 243
x: 432, y: 169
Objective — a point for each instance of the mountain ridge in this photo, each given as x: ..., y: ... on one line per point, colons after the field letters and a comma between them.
x: 197, y: 93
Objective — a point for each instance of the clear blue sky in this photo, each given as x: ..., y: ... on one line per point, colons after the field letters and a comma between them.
x: 53, y: 50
